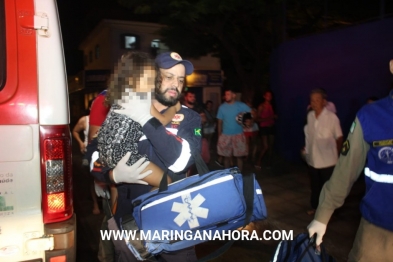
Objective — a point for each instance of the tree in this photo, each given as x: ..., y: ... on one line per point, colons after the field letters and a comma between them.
x: 243, y: 33
x: 306, y: 17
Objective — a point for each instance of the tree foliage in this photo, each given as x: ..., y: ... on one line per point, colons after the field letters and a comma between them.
x: 306, y: 17
x: 239, y: 33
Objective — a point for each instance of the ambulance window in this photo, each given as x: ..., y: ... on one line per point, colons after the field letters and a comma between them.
x: 2, y: 47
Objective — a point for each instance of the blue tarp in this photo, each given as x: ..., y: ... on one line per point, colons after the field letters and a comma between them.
x: 351, y: 64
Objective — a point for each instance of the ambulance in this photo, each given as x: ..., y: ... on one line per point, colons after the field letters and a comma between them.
x: 37, y: 221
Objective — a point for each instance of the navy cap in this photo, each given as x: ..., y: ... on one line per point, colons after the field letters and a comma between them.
x: 170, y: 59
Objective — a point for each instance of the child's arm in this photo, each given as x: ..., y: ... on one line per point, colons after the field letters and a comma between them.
x: 167, y: 116
x: 155, y: 177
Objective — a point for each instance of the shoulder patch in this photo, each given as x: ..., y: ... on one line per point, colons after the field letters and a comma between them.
x: 352, y: 127
x: 197, y: 132
x: 178, y: 118
x: 345, y: 148
x: 385, y: 154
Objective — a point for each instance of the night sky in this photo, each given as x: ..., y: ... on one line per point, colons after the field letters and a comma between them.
x: 78, y: 18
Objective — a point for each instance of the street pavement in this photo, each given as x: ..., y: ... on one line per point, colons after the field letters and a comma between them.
x: 286, y: 192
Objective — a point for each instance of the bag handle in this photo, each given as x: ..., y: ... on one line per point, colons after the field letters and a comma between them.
x: 107, y: 202
x: 309, y: 245
x: 312, y: 245
x: 200, y: 165
x: 164, y: 182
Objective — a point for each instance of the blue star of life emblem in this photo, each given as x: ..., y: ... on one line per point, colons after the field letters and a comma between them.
x: 189, y: 210
x: 385, y: 154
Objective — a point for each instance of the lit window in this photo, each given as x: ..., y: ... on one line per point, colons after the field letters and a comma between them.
x: 155, y: 43
x: 130, y: 42
x: 155, y: 47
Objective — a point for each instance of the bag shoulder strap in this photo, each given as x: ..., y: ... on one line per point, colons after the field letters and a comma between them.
x: 200, y: 165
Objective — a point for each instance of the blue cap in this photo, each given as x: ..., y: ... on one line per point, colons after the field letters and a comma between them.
x: 170, y: 59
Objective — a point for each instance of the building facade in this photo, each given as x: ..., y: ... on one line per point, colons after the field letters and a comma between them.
x: 112, y: 38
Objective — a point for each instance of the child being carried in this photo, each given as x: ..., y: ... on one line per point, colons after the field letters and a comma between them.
x: 133, y: 78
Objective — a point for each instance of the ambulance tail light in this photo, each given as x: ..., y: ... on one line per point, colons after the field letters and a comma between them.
x: 56, y: 173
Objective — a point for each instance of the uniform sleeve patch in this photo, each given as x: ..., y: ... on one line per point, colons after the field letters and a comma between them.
x: 352, y: 127
x: 197, y: 132
x: 345, y: 148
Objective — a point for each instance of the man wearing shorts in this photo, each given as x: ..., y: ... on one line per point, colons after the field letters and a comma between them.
x: 231, y: 139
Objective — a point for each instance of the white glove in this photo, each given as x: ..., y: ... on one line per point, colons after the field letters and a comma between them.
x: 123, y: 173
x: 316, y: 227
x: 137, y: 108
x: 94, y: 158
x: 101, y: 191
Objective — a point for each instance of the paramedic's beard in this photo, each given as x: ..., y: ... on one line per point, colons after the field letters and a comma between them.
x: 167, y: 101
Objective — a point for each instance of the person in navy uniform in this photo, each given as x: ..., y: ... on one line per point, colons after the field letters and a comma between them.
x: 170, y: 147
x: 371, y: 138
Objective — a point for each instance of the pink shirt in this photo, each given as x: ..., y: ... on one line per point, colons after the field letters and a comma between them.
x: 266, y: 112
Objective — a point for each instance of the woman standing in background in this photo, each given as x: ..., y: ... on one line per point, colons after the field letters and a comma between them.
x: 266, y: 118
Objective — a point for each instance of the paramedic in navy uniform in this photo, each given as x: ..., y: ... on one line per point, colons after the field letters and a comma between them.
x: 169, y: 147
x: 371, y: 138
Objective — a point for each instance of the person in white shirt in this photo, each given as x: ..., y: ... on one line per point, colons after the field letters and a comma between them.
x: 324, y: 139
